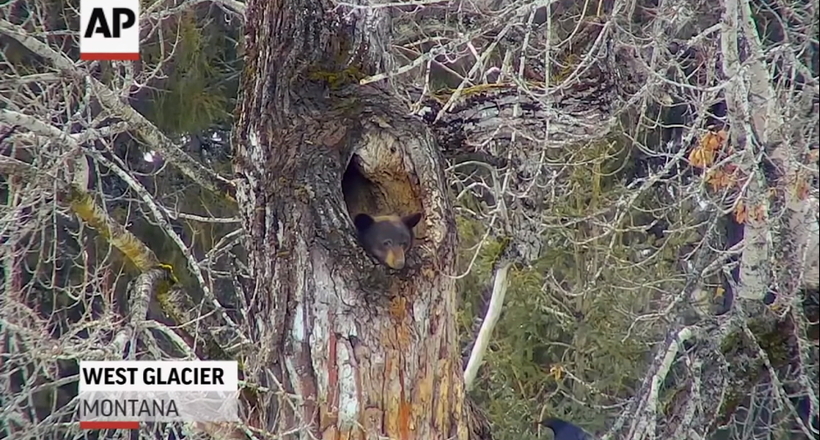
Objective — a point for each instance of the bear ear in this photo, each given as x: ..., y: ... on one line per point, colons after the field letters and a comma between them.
x: 411, y: 220
x: 363, y: 222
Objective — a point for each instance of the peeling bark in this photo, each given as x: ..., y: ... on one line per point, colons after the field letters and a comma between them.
x: 779, y: 229
x: 366, y: 351
x: 352, y: 350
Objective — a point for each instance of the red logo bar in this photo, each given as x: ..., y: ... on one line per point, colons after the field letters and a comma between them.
x: 109, y: 425
x: 109, y: 56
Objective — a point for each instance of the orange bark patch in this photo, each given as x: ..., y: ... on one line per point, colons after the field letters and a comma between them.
x: 392, y: 392
x: 423, y: 390
x: 403, y: 410
x: 398, y: 307
x: 328, y: 416
x: 404, y: 419
x: 403, y: 336
x: 332, y: 433
x: 443, y: 407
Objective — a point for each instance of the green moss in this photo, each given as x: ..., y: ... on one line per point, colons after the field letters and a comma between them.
x: 730, y: 402
x: 771, y: 338
x: 745, y: 363
x: 336, y: 80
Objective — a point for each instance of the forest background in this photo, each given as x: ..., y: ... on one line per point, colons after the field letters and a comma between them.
x: 634, y: 184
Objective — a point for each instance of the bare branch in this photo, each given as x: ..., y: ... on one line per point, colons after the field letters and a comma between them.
x: 153, y: 137
x: 486, y: 332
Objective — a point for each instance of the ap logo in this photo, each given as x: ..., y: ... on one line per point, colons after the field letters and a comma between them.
x: 109, y: 30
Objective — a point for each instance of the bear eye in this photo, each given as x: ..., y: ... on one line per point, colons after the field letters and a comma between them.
x: 387, y: 243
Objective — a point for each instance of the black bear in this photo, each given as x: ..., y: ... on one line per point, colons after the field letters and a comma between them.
x: 388, y: 238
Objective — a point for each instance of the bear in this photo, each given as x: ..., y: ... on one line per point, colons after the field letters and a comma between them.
x: 388, y: 237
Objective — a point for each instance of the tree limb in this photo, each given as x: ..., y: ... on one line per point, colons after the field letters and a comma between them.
x: 485, y: 334
x: 148, y: 131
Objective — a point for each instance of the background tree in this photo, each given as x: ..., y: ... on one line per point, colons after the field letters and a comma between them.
x: 635, y: 184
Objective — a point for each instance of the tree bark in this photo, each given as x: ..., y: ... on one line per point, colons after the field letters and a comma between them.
x: 367, y: 352
x: 783, y: 229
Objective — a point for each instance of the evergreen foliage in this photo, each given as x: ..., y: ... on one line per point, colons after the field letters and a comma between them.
x: 559, y: 348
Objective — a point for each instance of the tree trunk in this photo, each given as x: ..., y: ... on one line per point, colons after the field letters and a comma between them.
x: 362, y: 350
